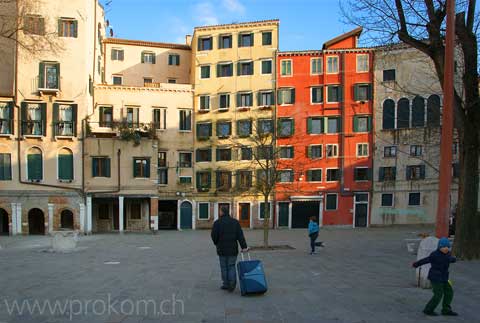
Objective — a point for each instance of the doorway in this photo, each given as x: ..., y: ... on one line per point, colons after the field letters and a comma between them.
x: 167, y: 215
x: 66, y: 220
x: 36, y: 222
x: 244, y: 214
x: 283, y: 210
x: 361, y: 210
x: 186, y: 215
x: 4, y: 222
x: 302, y: 211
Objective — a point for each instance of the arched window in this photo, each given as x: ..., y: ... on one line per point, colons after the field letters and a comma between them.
x: 433, y: 111
x: 65, y: 165
x: 418, y: 112
x: 388, y: 114
x: 403, y: 113
x: 66, y: 219
x: 34, y: 164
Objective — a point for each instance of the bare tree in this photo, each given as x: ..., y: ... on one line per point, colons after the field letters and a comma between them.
x: 421, y: 25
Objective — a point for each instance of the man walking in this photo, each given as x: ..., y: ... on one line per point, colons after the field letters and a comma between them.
x: 226, y: 234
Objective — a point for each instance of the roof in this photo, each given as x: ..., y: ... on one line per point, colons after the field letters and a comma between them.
x: 313, y: 52
x: 132, y: 42
x: 356, y: 32
x: 240, y: 24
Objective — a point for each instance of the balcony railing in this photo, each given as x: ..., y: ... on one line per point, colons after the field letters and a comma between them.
x: 64, y: 128
x: 32, y: 128
x: 121, y: 128
x: 152, y: 84
x: 6, y: 126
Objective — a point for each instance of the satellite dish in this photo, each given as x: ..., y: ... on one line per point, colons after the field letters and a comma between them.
x: 111, y: 32
x: 107, y: 23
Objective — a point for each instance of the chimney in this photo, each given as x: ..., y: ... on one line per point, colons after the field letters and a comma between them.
x: 188, y: 39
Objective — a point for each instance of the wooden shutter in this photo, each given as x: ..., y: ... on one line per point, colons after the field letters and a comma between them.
x: 381, y: 174
x: 65, y: 167
x: 340, y: 93
x: 408, y: 173
x: 75, y: 29
x: 94, y: 167
x: 57, y: 68
x: 41, y: 22
x: 11, y: 116
x: 292, y: 128
x: 355, y: 124
x: 43, y: 108
x: 218, y: 70
x: 197, y: 178
x: 143, y: 57
x: 55, y: 119
x: 178, y: 60
x: 154, y: 58
x: 147, y: 169
x: 293, y: 95
x: 170, y: 59
x: 24, y: 111
x: 60, y: 27
x: 309, y: 125
x: 34, y: 166
x: 41, y: 75
x: 74, y: 118
x: 209, y: 158
x: 280, y: 96
x: 253, y: 65
x: 422, y: 171
x: 239, y: 68
x: 209, y: 180
x: 369, y: 124
x: 355, y: 92
x: 239, y: 40
x: 370, y: 92
x: 239, y: 100
x: 309, y: 175
x: 134, y: 168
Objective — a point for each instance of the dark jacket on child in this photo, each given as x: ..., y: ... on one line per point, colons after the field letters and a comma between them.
x: 440, y: 262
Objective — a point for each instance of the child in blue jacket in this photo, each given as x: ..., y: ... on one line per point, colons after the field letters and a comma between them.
x: 440, y: 260
x: 313, y: 233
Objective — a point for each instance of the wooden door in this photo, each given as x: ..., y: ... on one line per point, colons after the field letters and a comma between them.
x: 244, y: 214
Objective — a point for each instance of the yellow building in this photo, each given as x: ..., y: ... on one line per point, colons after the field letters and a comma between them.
x: 233, y: 75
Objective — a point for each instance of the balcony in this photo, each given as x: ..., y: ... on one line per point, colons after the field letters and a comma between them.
x: 6, y: 126
x: 64, y: 128
x: 122, y: 129
x: 32, y: 128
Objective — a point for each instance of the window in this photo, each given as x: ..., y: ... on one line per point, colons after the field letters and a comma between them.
x: 133, y: 117
x: 224, y: 129
x: 204, y: 102
x: 162, y: 168
x: 65, y: 165
x: 361, y: 174
x: 185, y: 159
x: 314, y: 175
x: 265, y: 98
x: 204, y: 130
x: 205, y: 72
x: 64, y: 119
x: 362, y: 123
x: 286, y: 96
x: 317, y: 94
x: 333, y: 175
x: 172, y: 81
x: 332, y: 150
x: 388, y: 75
x: 362, y: 92
x: 387, y: 199
x: 244, y: 100
x: 246, y: 153
x: 265, y: 126
x: 245, y: 68
x: 386, y: 174
x: 456, y: 170
x: 455, y: 148
x: 388, y: 118
x: 315, y: 151
x: 418, y: 112
x: 244, y: 128
x: 403, y: 113
x: 433, y: 111
x: 316, y: 66
x: 34, y: 119
x: 49, y: 76
x: 265, y: 152
x: 203, y: 211
x: 141, y: 167
x: 315, y: 125
x: 286, y: 67
x: 266, y: 66
x: 413, y: 199
x: 244, y: 179
x: 5, y: 167
x: 100, y: 167
x: 148, y: 58
x: 225, y: 41
x: 117, y: 54
x: 117, y: 80
x: 266, y: 38
x: 67, y: 27
x: 285, y: 176
x: 333, y: 125
x: 286, y: 152
x: 245, y: 40
x: 416, y: 172
x: 173, y: 59
x: 34, y: 165
x: 34, y: 25
x: 332, y: 64
x: 415, y: 150
x: 185, y: 119
x: 6, y: 118
x: 224, y: 101
x: 224, y: 154
x: 285, y: 127
x: 204, y: 181
x: 106, y: 116
x: 331, y: 203
x: 224, y: 69
x: 147, y: 80
x: 224, y: 180
x: 205, y: 43
x: 334, y: 93
x: 160, y: 118
x: 362, y: 63
x: 390, y: 151
x: 362, y: 150
x: 204, y: 155
x: 263, y: 210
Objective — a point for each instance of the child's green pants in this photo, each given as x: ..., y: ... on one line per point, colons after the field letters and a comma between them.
x: 440, y: 290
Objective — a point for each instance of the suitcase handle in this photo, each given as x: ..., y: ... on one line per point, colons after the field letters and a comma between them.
x: 248, y: 253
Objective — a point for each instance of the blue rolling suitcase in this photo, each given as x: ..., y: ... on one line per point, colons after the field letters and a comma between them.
x: 251, y: 276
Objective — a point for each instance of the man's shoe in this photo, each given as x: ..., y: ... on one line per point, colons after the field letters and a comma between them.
x: 449, y: 313
x: 224, y: 287
x: 432, y: 313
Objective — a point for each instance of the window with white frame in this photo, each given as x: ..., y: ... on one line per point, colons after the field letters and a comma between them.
x: 332, y: 64
x: 117, y: 80
x: 185, y: 120
x: 262, y: 210
x: 117, y: 54
x: 203, y: 210
x: 286, y: 67
x: 362, y: 150
x: 387, y: 200
x: 285, y: 176
x: 286, y: 152
x: 185, y: 159
x: 265, y: 98
x: 148, y: 58
x: 333, y: 175
x: 315, y: 151
x: 314, y: 175
x: 316, y: 94
x: 414, y: 199
x: 316, y: 66
x: 160, y: 118
x: 331, y: 150
x: 204, y: 102
x: 362, y: 63
x: 331, y: 202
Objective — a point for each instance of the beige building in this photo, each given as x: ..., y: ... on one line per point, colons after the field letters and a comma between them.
x: 45, y: 92
x: 408, y: 104
x: 233, y: 75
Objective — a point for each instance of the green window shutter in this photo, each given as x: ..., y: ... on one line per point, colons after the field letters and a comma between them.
x: 197, y: 179
x: 74, y: 118
x: 259, y: 98
x: 43, y: 107
x: 197, y: 156
x: 11, y: 116
x: 209, y: 158
x: 178, y: 60
x: 340, y: 94
x: 210, y: 130
x: 292, y: 130
x: 55, y: 118
x: 407, y: 173
x: 355, y: 124
x: 75, y: 29
x: 170, y: 60
x: 217, y: 154
x: 60, y: 27
x: 239, y: 40
x: 239, y: 70
x: 134, y: 169
x: 309, y: 175
x: 355, y: 92
x: 239, y: 99
x: 309, y: 125
x: 339, y: 125
x: 218, y: 70
x: 142, y: 58
x: 24, y: 107
x: 147, y: 170
x: 369, y: 124
x: 253, y: 64
x: 369, y: 174
x: 107, y: 167
x: 65, y: 167
x: 154, y: 59
x: 370, y: 92
x: 34, y: 166
x: 209, y: 180
x: 280, y: 96
x: 94, y: 167
x: 422, y: 171
x: 394, y: 172
x: 293, y: 95
x: 252, y: 39
x: 57, y: 68
x: 41, y: 75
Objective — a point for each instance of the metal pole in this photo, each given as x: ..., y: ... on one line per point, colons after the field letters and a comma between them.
x: 443, y: 208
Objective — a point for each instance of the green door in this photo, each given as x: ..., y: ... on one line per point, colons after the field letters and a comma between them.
x: 283, y: 214
x: 186, y: 215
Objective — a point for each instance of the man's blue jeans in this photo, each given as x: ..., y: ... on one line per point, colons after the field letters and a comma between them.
x: 229, y: 274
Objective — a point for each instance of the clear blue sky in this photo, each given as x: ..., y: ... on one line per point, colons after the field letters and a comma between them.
x: 304, y: 24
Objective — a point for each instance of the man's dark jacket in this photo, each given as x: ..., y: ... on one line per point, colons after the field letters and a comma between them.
x: 226, y: 232
x: 440, y: 262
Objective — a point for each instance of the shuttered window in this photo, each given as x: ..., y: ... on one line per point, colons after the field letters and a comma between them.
x: 100, y: 167
x: 65, y: 165
x: 173, y: 59
x: 5, y: 167
x: 141, y: 167
x: 67, y: 27
x: 34, y: 167
x: 204, y: 181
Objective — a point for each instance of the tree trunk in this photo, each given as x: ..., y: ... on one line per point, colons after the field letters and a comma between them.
x: 266, y: 221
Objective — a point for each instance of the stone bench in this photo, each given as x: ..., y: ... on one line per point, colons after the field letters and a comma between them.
x: 63, y: 241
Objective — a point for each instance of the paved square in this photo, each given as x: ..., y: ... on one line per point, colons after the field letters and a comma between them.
x: 363, y: 275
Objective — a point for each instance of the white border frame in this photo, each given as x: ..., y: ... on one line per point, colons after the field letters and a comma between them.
x: 326, y: 155
x: 259, y: 208
x: 58, y: 168
x: 321, y: 173
x: 291, y: 67
x: 277, y: 214
x: 408, y: 199
x: 393, y: 199
x: 285, y: 170
x: 311, y: 65
x: 237, y: 211
x: 368, y: 63
x: 113, y: 83
x: 338, y: 64
x: 26, y: 165
x: 179, y: 210
x: 279, y: 92
x: 198, y: 211
x: 311, y: 94
x: 368, y: 150
x: 321, y: 150
x: 326, y: 175
x: 336, y: 208
x: 355, y: 208
x: 363, y: 180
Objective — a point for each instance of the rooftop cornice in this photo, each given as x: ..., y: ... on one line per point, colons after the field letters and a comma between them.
x: 258, y: 23
x: 120, y: 41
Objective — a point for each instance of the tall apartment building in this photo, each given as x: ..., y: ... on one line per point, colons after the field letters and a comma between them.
x: 46, y: 91
x: 139, y: 145
x: 408, y: 105
x: 324, y: 134
x: 233, y: 75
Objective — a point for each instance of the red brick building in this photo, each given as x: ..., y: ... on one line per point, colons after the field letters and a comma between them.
x: 324, y: 134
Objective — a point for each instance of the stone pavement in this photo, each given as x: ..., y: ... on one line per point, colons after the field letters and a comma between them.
x: 363, y: 275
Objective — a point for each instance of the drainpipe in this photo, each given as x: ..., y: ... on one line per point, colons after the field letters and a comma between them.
x: 342, y: 132
x: 274, y: 200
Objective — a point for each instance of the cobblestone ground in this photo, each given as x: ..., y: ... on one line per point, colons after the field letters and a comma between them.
x: 363, y: 275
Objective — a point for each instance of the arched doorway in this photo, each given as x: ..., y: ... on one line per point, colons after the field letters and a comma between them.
x: 36, y: 222
x: 186, y: 215
x: 3, y: 222
x: 66, y: 220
